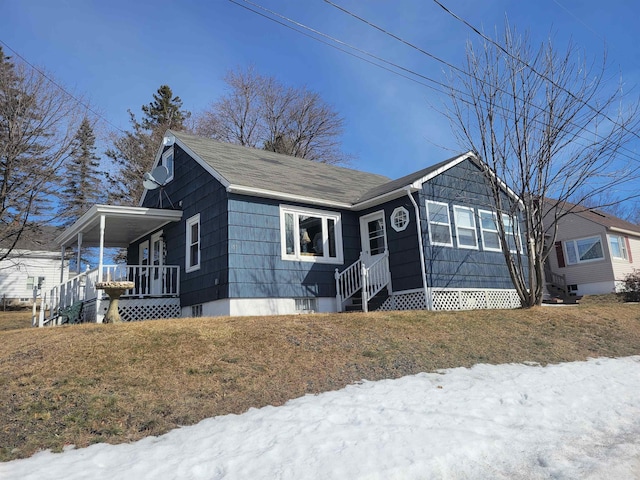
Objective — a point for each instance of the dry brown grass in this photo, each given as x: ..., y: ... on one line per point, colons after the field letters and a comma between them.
x: 83, y: 384
x: 13, y: 320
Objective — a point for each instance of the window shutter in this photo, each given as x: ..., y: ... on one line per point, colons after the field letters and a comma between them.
x: 626, y: 240
x: 560, y: 254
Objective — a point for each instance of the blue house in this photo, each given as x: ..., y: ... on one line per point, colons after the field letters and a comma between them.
x: 240, y: 231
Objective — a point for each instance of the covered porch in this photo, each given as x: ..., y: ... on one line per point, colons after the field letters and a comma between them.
x: 156, y: 288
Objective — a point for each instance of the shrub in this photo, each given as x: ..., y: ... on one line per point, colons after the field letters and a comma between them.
x: 631, y: 287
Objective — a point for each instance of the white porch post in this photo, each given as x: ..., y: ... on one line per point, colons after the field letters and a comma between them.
x: 101, y: 252
x: 62, y: 263
x: 78, y: 269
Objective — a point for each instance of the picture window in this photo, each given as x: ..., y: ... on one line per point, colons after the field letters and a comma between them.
x: 310, y: 235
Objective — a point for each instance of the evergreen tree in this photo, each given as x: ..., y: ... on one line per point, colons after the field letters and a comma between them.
x: 133, y: 152
x: 82, y: 184
x: 165, y: 110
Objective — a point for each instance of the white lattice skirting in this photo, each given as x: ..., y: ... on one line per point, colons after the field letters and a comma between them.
x: 454, y: 299
x: 132, y: 309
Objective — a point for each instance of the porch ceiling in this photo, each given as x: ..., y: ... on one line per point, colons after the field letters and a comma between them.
x: 122, y: 225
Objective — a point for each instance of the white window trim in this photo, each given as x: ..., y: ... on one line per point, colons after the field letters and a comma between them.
x: 165, y: 155
x: 482, y: 230
x: 566, y: 244
x: 623, y: 247
x: 517, y: 237
x: 188, y: 242
x: 324, y: 216
x: 430, y: 222
x: 397, y: 212
x: 457, y: 208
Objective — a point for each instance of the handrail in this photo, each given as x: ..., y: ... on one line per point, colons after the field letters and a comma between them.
x: 348, y: 282
x: 370, y: 280
x: 376, y: 277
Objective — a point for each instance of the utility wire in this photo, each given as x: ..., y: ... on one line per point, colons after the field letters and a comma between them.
x: 533, y: 69
x: 468, y: 74
x: 340, y: 42
x: 448, y: 88
x: 60, y: 87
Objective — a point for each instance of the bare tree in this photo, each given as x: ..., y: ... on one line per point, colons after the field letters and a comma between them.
x: 546, y: 123
x: 37, y: 124
x: 261, y: 112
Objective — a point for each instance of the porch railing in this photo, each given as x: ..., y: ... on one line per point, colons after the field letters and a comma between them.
x: 149, y: 280
x: 358, y: 277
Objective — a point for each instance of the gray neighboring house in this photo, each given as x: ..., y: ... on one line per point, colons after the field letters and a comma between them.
x: 240, y: 231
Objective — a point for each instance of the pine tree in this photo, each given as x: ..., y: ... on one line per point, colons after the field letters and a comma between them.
x: 133, y: 152
x: 165, y: 111
x: 82, y: 185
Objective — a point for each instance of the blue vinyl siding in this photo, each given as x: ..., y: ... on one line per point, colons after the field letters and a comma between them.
x: 454, y: 267
x: 200, y: 193
x: 256, y: 267
x: 404, y: 253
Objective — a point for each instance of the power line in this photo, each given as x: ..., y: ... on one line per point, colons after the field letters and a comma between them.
x: 340, y: 42
x: 60, y: 87
x: 468, y: 74
x: 534, y: 70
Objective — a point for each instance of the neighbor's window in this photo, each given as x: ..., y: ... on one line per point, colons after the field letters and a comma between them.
x: 192, y: 260
x: 489, y: 231
x: 439, y: 224
x: 310, y: 235
x: 167, y: 161
x: 400, y: 219
x: 618, y: 246
x: 583, y: 250
x: 465, y: 221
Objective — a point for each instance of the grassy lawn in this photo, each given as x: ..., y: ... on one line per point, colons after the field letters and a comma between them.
x: 82, y: 384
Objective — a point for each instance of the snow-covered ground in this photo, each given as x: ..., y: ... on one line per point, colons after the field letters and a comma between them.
x: 570, y: 421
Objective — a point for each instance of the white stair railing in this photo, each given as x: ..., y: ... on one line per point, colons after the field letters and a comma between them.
x: 375, y: 278
x: 348, y: 282
x: 360, y: 277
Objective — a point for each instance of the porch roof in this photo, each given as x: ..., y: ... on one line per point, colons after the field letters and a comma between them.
x: 122, y: 225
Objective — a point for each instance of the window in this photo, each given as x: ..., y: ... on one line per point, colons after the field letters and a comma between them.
x: 618, y: 246
x: 306, y: 305
x: 439, y: 224
x: 465, y: 227
x: 583, y: 250
x: 196, y: 310
x: 489, y: 231
x: 192, y: 261
x: 167, y: 162
x: 400, y: 219
x: 30, y: 281
x: 310, y: 235
x: 511, y: 233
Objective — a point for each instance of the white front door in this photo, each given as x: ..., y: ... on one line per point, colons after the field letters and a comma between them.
x: 373, y: 236
x: 157, y: 262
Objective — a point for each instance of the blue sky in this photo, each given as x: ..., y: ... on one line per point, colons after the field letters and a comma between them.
x: 117, y: 53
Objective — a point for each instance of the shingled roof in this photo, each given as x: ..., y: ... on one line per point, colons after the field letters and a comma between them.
x: 239, y: 167
x: 268, y: 171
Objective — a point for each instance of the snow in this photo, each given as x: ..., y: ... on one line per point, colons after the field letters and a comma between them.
x: 566, y: 421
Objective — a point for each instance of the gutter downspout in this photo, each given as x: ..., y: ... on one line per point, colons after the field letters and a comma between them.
x: 427, y: 299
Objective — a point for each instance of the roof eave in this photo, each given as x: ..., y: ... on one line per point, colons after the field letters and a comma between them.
x: 262, y: 193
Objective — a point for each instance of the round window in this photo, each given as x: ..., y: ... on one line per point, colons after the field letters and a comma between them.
x: 400, y: 219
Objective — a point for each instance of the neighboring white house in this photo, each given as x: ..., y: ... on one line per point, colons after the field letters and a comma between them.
x: 594, y: 251
x: 34, y: 263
